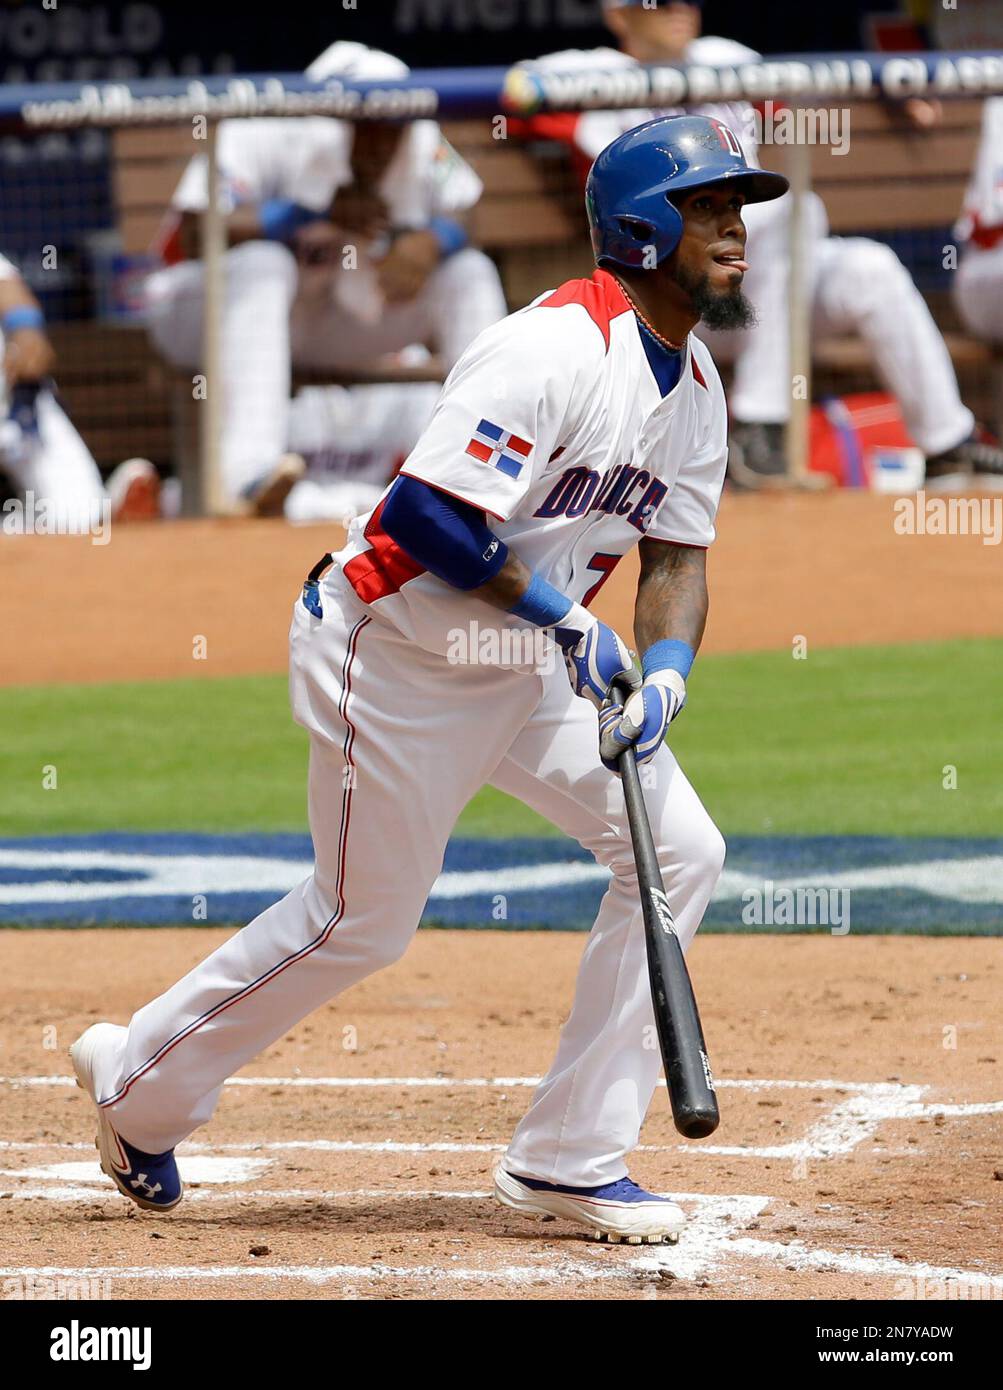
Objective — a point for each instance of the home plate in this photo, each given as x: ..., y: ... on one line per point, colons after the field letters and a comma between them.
x: 197, y: 1169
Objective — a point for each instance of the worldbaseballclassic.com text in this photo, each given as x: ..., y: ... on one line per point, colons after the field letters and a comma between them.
x: 770, y: 906
x: 77, y: 1343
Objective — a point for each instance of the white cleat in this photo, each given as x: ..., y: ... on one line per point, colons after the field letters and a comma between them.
x: 618, y: 1212
x: 151, y: 1181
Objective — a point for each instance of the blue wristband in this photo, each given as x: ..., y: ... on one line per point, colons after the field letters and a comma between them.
x: 450, y: 235
x: 542, y: 604
x: 668, y: 655
x: 22, y: 316
x: 281, y: 218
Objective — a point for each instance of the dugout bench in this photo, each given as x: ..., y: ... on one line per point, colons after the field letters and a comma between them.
x: 896, y: 178
x: 531, y: 220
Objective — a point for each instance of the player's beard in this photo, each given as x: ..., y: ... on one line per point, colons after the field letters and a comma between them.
x: 717, y: 308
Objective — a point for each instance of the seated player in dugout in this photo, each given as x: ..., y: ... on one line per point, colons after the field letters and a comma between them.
x: 347, y: 241
x: 41, y: 452
x: 858, y: 285
x: 588, y: 423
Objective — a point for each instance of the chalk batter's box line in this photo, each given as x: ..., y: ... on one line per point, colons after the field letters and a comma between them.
x: 837, y: 1132
x: 722, y: 1083
x: 715, y: 1243
x: 391, y: 1146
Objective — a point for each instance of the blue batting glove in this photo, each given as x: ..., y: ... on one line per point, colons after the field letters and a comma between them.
x: 643, y: 720
x: 593, y: 654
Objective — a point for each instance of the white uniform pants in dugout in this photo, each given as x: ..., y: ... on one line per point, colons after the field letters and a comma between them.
x: 400, y: 740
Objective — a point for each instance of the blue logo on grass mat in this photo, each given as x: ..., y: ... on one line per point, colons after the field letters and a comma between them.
x: 901, y: 885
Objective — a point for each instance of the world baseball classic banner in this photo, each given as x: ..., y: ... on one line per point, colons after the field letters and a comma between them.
x: 490, y: 91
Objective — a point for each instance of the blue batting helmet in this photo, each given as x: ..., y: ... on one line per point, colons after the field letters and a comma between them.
x: 631, y: 185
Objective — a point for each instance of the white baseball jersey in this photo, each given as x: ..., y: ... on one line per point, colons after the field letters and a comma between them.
x: 8, y: 271
x: 553, y: 424
x: 308, y: 158
x: 981, y: 221
x: 594, y: 130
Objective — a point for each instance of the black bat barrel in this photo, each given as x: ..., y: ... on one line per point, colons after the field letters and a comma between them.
x: 680, y: 1035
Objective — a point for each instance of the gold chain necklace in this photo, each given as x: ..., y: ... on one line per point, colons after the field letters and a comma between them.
x: 665, y: 342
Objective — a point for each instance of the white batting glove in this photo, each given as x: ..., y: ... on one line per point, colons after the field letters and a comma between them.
x: 594, y: 655
x: 643, y: 720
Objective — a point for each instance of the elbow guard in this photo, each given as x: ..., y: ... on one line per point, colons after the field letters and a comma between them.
x: 446, y: 535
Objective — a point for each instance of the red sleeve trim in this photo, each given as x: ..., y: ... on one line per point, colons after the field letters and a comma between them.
x: 383, y: 569
x: 684, y: 545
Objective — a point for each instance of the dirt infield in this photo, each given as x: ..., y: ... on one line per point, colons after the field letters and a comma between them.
x: 858, y: 1154
x: 830, y: 568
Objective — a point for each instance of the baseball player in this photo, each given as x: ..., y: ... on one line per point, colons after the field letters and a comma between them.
x: 347, y: 242
x: 40, y: 450
x: 858, y: 285
x: 587, y: 423
x: 353, y: 439
x: 978, y: 287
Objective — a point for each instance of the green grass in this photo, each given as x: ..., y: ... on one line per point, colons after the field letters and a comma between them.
x: 173, y: 755
x: 849, y: 741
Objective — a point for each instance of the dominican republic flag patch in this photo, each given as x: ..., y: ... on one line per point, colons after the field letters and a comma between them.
x: 499, y: 449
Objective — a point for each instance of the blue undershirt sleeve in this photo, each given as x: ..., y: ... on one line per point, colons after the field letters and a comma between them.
x: 446, y: 535
x: 281, y: 218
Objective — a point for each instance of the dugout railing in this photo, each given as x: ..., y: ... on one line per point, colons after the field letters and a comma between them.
x: 896, y: 182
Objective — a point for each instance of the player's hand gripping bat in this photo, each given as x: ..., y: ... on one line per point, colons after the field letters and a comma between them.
x: 680, y: 1036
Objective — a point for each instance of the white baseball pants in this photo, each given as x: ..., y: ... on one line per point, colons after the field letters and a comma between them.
x: 352, y: 438
x: 55, y: 465
x: 978, y: 291
x: 400, y: 741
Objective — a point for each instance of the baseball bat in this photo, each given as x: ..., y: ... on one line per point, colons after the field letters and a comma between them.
x: 680, y: 1036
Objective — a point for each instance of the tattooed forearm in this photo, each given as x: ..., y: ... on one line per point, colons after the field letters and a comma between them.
x: 671, y: 594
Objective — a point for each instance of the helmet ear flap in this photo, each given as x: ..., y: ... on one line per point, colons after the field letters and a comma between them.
x: 638, y: 228
x: 630, y: 241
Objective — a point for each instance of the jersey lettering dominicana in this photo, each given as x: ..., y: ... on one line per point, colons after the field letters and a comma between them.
x: 552, y: 422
